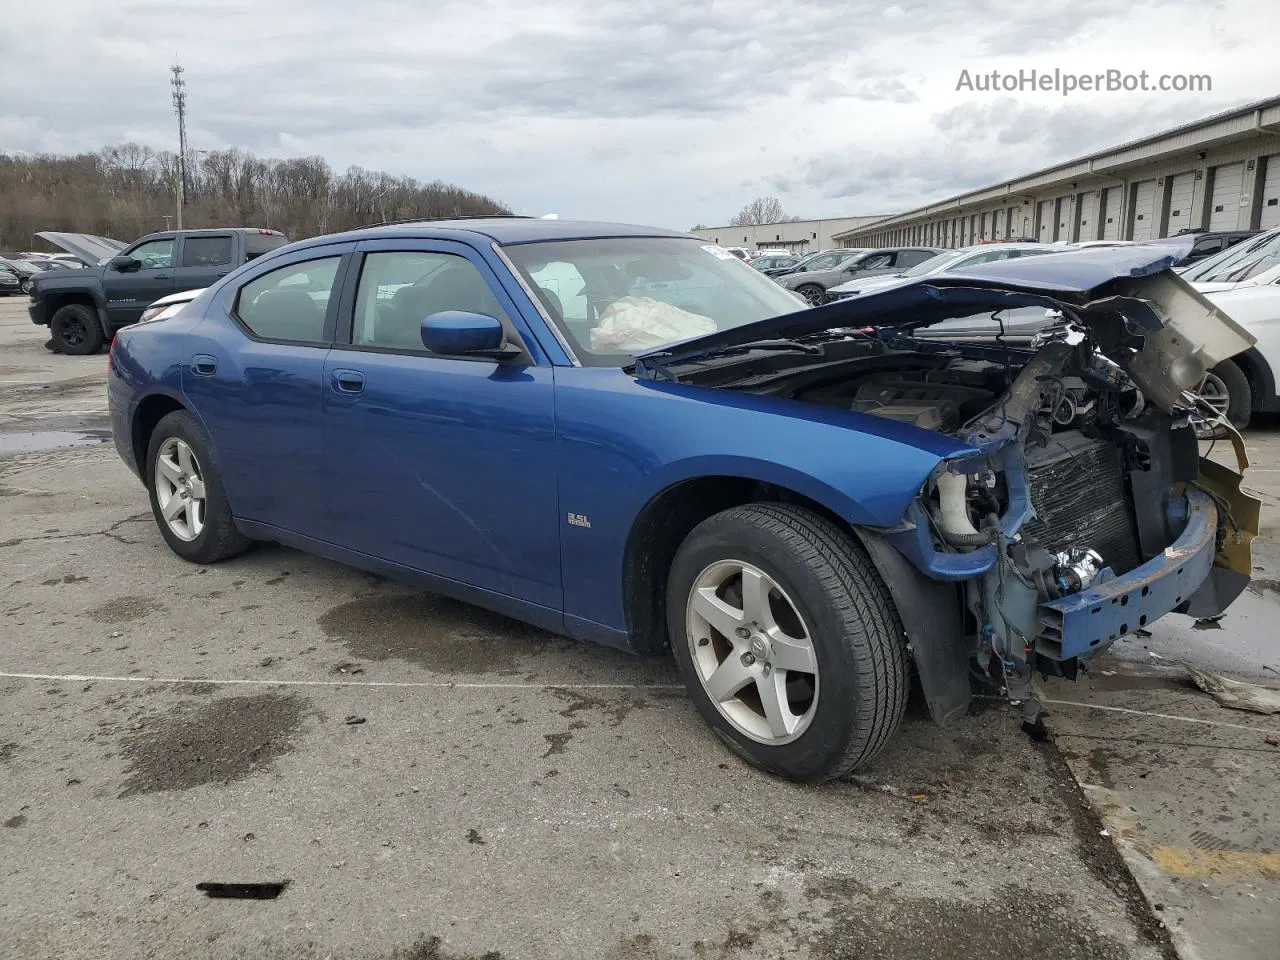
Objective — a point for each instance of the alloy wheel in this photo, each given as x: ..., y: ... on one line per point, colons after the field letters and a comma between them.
x: 180, y: 489
x: 752, y: 652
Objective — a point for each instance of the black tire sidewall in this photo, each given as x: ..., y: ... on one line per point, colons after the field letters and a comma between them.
x: 811, y: 755
x: 1239, y: 393
x: 219, y: 538
x: 78, y: 314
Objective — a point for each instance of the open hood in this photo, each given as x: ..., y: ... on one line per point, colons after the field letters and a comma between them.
x: 89, y: 248
x: 1125, y: 290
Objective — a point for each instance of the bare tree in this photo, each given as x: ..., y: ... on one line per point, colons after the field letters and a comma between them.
x: 128, y: 190
x: 759, y: 210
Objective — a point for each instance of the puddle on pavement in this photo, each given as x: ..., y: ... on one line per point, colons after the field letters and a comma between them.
x: 37, y: 441
x: 220, y: 741
x: 434, y: 632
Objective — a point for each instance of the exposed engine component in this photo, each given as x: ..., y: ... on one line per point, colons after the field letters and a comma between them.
x: 1077, y: 568
x: 1080, y: 498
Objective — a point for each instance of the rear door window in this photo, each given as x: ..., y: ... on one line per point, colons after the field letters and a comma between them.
x: 206, y: 251
x: 290, y: 303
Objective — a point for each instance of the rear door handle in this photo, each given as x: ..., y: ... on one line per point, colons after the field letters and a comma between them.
x: 161, y: 276
x: 204, y: 365
x: 348, y: 381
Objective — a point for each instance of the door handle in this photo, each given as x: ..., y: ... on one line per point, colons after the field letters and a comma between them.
x: 224, y: 273
x: 204, y: 365
x: 161, y: 276
x: 348, y: 381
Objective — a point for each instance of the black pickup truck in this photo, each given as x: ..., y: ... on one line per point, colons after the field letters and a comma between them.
x: 84, y: 308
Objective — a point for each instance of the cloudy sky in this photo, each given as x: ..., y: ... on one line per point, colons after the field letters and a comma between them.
x: 670, y: 112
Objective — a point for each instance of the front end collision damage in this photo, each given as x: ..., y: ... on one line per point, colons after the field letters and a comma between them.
x: 1046, y: 611
x: 1079, y: 509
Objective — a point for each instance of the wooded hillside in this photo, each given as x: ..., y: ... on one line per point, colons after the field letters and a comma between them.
x: 128, y: 190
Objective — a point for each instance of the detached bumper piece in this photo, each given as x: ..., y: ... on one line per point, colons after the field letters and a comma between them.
x: 1084, y: 623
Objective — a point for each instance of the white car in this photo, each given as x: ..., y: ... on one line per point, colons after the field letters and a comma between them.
x: 1244, y: 281
x: 957, y: 259
x: 166, y: 307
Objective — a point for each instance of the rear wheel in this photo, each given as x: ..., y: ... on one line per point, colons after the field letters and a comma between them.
x: 813, y: 293
x: 187, y: 499
x: 75, y: 330
x: 787, y: 640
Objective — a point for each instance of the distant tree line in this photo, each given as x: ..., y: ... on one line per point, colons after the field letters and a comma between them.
x: 129, y: 190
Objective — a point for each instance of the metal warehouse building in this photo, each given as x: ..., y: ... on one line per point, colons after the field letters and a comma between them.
x: 1220, y: 173
x: 794, y: 236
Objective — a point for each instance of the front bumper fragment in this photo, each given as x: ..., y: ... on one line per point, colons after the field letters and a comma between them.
x: 1084, y: 623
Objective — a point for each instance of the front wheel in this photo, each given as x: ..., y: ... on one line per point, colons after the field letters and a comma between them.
x: 1226, y: 389
x: 75, y: 330
x: 787, y: 640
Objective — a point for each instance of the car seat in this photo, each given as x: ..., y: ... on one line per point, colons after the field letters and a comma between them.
x: 289, y: 315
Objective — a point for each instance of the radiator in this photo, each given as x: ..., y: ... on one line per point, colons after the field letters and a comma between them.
x: 1081, y: 499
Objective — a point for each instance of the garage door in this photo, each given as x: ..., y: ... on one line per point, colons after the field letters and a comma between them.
x: 1181, y: 193
x: 1066, y: 218
x: 1044, y: 216
x: 1110, y: 213
x: 1271, y: 193
x: 1087, y: 216
x: 1224, y: 208
x: 1144, y: 210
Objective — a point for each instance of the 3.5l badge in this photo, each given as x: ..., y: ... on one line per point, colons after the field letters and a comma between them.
x: 579, y: 520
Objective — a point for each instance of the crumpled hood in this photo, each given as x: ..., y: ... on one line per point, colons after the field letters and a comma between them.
x: 1184, y: 333
x: 88, y: 247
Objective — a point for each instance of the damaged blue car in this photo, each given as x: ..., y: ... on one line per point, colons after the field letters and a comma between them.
x: 628, y: 436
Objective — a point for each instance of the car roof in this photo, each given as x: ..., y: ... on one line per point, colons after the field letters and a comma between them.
x: 503, y: 230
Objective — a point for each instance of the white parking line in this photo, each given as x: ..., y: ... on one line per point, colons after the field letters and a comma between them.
x: 410, y: 684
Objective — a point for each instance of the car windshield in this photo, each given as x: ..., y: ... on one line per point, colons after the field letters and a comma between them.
x: 1236, y: 263
x: 616, y: 297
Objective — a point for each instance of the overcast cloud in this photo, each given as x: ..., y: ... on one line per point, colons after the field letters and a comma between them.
x: 668, y: 112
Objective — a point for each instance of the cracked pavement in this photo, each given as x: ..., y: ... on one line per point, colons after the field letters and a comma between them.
x: 439, y: 782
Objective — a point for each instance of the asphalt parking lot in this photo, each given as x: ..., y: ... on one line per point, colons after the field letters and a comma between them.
x: 437, y: 782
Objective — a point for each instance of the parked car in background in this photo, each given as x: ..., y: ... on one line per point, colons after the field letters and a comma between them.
x: 813, y: 284
x: 10, y: 281
x: 961, y: 258
x: 772, y: 266
x: 820, y: 259
x: 740, y: 252
x: 84, y: 309
x: 25, y: 269
x: 796, y: 503
x: 1251, y: 262
x: 1206, y: 243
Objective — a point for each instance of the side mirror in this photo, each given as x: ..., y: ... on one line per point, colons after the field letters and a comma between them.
x: 459, y: 333
x: 124, y: 264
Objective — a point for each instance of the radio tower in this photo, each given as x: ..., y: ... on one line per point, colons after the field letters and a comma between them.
x: 180, y: 108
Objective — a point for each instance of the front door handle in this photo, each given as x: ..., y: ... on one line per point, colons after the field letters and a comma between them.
x: 348, y: 381
x: 204, y: 365
x: 161, y: 276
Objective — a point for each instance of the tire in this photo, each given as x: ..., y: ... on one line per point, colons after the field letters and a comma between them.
x: 202, y: 532
x: 76, y: 330
x: 1239, y: 393
x: 813, y: 293
x: 860, y: 678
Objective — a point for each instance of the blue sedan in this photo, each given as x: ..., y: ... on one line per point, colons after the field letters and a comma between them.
x: 627, y: 435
